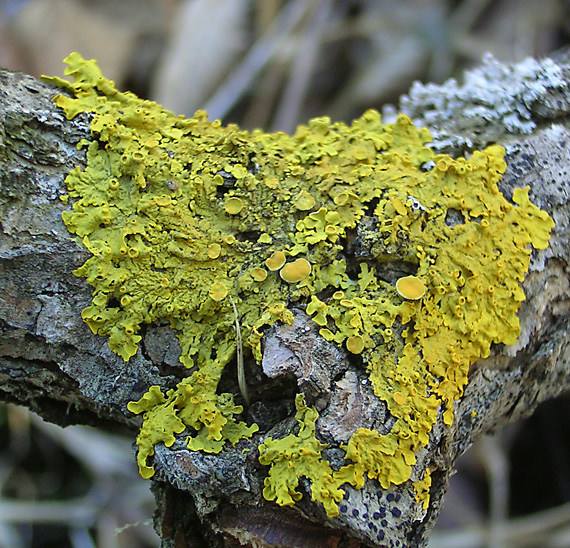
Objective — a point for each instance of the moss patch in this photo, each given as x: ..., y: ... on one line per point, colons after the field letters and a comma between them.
x: 181, y: 214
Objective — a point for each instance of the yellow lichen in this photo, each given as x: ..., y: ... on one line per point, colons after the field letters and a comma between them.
x: 299, y: 455
x: 276, y: 260
x: 265, y: 239
x: 218, y: 291
x: 399, y: 398
x: 355, y: 344
x: 304, y: 201
x: 296, y: 271
x: 411, y: 288
x: 234, y: 206
x: 214, y: 250
x: 258, y: 274
x: 422, y: 488
x: 168, y: 240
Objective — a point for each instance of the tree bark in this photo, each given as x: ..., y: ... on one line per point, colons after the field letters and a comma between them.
x: 51, y: 362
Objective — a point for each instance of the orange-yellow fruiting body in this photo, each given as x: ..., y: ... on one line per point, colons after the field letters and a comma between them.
x: 276, y: 260
x: 355, y: 344
x: 304, y: 201
x: 296, y: 271
x: 234, y: 205
x: 218, y: 291
x: 410, y: 288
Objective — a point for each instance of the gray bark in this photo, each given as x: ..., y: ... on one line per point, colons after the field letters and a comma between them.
x: 52, y: 363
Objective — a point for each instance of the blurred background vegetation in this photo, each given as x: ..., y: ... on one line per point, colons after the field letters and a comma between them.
x: 274, y: 64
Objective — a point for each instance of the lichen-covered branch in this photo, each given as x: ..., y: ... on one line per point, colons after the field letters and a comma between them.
x: 369, y: 275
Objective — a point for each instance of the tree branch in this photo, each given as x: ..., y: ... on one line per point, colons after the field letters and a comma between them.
x: 51, y: 362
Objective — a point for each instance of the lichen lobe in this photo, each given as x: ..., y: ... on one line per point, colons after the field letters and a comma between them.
x: 182, y: 214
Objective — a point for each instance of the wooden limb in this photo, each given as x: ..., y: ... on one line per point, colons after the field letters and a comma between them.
x: 51, y: 362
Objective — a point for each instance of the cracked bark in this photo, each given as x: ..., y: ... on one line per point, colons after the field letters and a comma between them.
x: 52, y: 363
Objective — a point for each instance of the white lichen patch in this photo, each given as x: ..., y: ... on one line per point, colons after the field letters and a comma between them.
x: 493, y: 98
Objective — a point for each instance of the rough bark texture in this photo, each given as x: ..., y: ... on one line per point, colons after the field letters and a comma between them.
x: 51, y: 362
